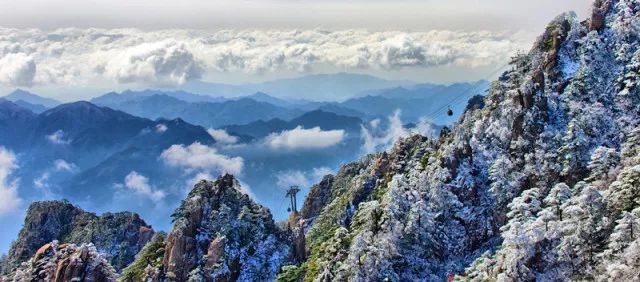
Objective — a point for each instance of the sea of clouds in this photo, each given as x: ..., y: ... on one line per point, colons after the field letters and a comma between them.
x: 78, y: 57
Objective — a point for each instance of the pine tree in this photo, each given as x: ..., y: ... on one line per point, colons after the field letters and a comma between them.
x: 552, y: 213
x: 502, y: 187
x: 626, y: 230
x: 602, y: 167
x: 582, y: 232
x: 624, y: 193
x: 519, y: 245
x: 572, y: 151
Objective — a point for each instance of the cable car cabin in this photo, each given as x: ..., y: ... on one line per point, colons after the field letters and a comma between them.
x: 450, y: 112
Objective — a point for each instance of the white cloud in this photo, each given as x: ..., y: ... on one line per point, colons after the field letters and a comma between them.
x: 375, y: 123
x: 300, y: 138
x: 43, y: 182
x: 74, y: 56
x: 376, y: 140
x: 9, y: 199
x: 198, y: 157
x: 403, y: 51
x: 425, y: 128
x: 140, y: 185
x: 374, y: 143
x: 62, y: 165
x: 291, y: 178
x: 166, y: 62
x: 58, y: 138
x: 17, y: 69
x: 161, y: 128
x: 221, y: 136
x: 285, y: 179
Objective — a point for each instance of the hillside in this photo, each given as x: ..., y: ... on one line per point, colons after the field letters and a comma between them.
x: 219, y: 234
x: 540, y: 184
x: 539, y: 180
x: 118, y: 236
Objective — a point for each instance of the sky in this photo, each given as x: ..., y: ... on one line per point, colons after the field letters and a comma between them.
x: 75, y: 49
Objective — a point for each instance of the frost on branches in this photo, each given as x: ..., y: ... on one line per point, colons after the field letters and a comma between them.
x: 543, y: 183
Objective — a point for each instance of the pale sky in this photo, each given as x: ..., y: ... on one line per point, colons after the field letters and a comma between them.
x: 287, y: 14
x: 83, y: 48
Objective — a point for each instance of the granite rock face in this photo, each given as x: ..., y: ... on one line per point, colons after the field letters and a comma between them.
x: 119, y: 236
x: 221, y: 234
x: 66, y: 262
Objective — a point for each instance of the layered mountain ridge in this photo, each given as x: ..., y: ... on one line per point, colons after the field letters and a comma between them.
x: 539, y: 182
x: 118, y: 236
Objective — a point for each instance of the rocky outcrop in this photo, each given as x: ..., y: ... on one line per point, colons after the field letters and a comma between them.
x: 65, y: 262
x: 598, y: 14
x: 118, y: 235
x: 318, y: 198
x: 480, y: 197
x: 221, y: 234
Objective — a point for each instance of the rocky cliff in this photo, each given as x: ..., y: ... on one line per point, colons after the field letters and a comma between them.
x: 538, y: 182
x: 118, y: 236
x: 220, y: 234
x: 66, y: 262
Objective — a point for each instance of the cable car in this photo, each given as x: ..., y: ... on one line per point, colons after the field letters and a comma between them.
x: 450, y: 112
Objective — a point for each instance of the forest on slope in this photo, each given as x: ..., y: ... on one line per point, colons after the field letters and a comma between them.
x: 540, y: 183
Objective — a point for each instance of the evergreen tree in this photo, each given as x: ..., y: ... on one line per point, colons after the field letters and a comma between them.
x: 582, y: 232
x: 602, y: 167
x: 624, y: 193
x: 626, y: 230
x: 552, y: 213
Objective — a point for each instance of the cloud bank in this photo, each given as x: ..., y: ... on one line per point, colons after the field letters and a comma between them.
x: 171, y: 57
x: 221, y: 136
x: 58, y: 138
x: 139, y: 184
x: 9, y: 199
x: 375, y: 140
x: 304, y: 179
x: 199, y: 157
x: 300, y: 138
x: 17, y: 69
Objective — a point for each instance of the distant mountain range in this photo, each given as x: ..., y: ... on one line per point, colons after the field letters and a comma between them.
x: 28, y: 97
x: 208, y: 114
x: 107, y: 142
x: 33, y: 102
x: 316, y: 118
x: 316, y: 87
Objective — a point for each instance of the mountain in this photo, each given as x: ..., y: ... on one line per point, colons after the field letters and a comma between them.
x: 416, y: 102
x: 318, y: 87
x: 537, y: 181
x: 114, y: 98
x: 207, y: 114
x: 317, y: 118
x: 340, y: 110
x: 66, y: 262
x: 82, y: 124
x: 10, y: 111
x: 36, y: 108
x: 13, y: 121
x: 219, y: 234
x: 266, y: 98
x: 327, y: 121
x: 28, y: 97
x: 118, y: 236
x: 324, y: 87
x: 540, y: 184
x: 96, y: 146
x: 258, y: 129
